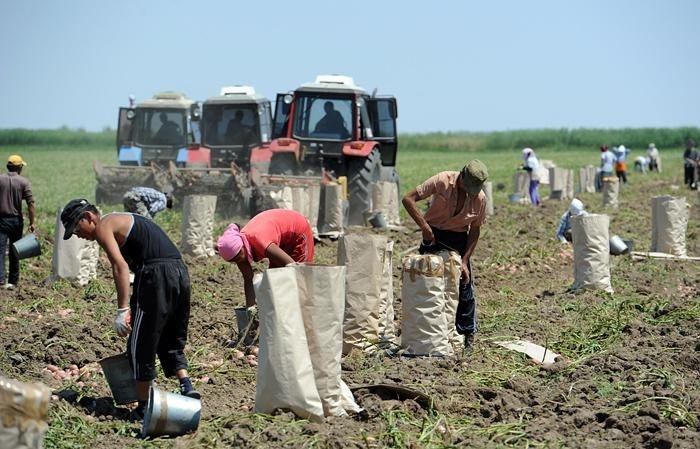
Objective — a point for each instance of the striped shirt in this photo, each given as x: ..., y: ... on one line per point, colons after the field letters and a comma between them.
x: 154, y: 200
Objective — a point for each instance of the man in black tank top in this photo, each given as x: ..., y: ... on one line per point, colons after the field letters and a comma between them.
x: 156, y: 316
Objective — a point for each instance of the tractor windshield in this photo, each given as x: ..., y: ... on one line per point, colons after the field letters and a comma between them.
x: 322, y: 116
x: 161, y: 127
x: 230, y: 124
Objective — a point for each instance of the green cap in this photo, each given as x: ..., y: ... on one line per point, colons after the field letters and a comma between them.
x: 474, y: 175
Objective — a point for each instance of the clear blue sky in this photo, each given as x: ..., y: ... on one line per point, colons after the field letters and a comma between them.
x: 453, y: 65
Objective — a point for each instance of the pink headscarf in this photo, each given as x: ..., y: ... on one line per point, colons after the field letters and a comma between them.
x: 231, y: 242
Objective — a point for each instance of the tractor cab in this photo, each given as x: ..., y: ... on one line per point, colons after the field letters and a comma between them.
x: 158, y: 130
x: 234, y: 123
x: 323, y: 122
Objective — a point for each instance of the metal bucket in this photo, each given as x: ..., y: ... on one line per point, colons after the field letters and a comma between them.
x: 27, y: 246
x: 170, y: 414
x: 377, y: 220
x: 617, y: 245
x: 246, y: 326
x: 515, y: 197
x: 120, y: 378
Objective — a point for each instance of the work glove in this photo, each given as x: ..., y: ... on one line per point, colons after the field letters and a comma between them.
x: 121, y: 322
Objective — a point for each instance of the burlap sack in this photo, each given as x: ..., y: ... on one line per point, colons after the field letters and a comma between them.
x: 557, y: 183
x: 423, y: 324
x: 669, y: 223
x: 198, y: 225
x: 611, y: 190
x: 569, y: 184
x: 304, y: 199
x: 385, y: 327
x: 543, y: 172
x: 332, y: 215
x: 365, y: 258
x: 385, y: 199
x: 301, y: 312
x: 587, y: 179
x: 74, y: 259
x: 591, y: 252
x: 521, y: 186
x: 23, y: 410
x: 488, y: 192
x: 452, y: 272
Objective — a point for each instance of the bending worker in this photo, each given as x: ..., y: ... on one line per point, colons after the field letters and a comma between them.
x: 453, y: 222
x: 156, y: 316
x: 564, y: 230
x: 282, y: 236
x: 146, y: 201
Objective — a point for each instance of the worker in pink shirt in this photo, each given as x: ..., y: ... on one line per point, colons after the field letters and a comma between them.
x: 282, y: 236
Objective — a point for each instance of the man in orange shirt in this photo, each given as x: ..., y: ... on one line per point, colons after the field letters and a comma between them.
x: 282, y: 236
x: 453, y: 222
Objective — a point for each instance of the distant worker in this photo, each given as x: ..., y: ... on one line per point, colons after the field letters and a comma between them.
x: 332, y: 122
x: 621, y: 154
x: 169, y: 131
x: 236, y: 131
x: 146, y: 201
x: 641, y: 164
x: 607, y: 162
x: 564, y: 230
x: 282, y: 236
x: 14, y: 188
x: 532, y: 167
x: 156, y: 314
x: 691, y: 158
x: 653, y: 157
x: 453, y: 222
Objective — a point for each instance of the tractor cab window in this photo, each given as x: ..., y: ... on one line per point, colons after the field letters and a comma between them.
x: 323, y: 117
x: 226, y: 125
x: 161, y: 127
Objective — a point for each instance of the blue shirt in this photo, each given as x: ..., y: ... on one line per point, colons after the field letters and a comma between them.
x: 152, y: 198
x: 565, y: 224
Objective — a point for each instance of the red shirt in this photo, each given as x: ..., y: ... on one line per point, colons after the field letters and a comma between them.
x: 287, y: 229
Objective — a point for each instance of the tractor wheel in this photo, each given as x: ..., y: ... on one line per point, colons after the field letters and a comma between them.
x: 362, y: 172
x: 283, y: 164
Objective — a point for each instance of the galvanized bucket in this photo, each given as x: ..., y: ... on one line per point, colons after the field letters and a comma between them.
x: 27, y: 246
x: 617, y: 245
x: 120, y: 378
x: 170, y: 414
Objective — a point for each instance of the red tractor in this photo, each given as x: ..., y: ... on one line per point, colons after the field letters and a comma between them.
x: 334, y: 127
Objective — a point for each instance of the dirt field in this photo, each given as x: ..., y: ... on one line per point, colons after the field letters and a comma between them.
x: 630, y: 374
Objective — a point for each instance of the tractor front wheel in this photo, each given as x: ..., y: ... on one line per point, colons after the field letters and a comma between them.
x: 362, y: 172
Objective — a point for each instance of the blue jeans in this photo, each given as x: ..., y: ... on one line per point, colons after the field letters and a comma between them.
x: 534, y: 194
x: 10, y: 231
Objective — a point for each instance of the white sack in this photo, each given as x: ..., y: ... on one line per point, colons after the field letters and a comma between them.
x: 452, y: 272
x: 332, y: 221
x: 74, y: 259
x: 569, y: 184
x: 23, y: 414
x: 386, y: 328
x: 364, y: 257
x: 488, y: 192
x: 385, y: 199
x: 198, y: 225
x: 587, y: 179
x: 557, y: 180
x: 669, y: 223
x: 591, y: 252
x: 300, y: 312
x: 543, y: 172
x: 303, y: 199
x: 611, y: 190
x: 521, y: 183
x: 423, y: 325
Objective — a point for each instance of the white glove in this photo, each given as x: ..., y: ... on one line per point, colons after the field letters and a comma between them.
x: 121, y: 322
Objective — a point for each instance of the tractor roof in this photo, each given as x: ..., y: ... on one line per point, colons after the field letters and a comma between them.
x: 167, y: 99
x: 333, y: 83
x: 237, y: 94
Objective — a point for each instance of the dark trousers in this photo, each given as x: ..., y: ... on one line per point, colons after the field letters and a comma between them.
x: 465, y: 320
x: 689, y: 176
x: 10, y: 232
x: 160, y: 313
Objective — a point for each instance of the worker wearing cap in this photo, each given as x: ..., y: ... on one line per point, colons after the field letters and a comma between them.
x: 453, y: 222
x: 14, y: 188
x: 282, y: 236
x: 156, y: 316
